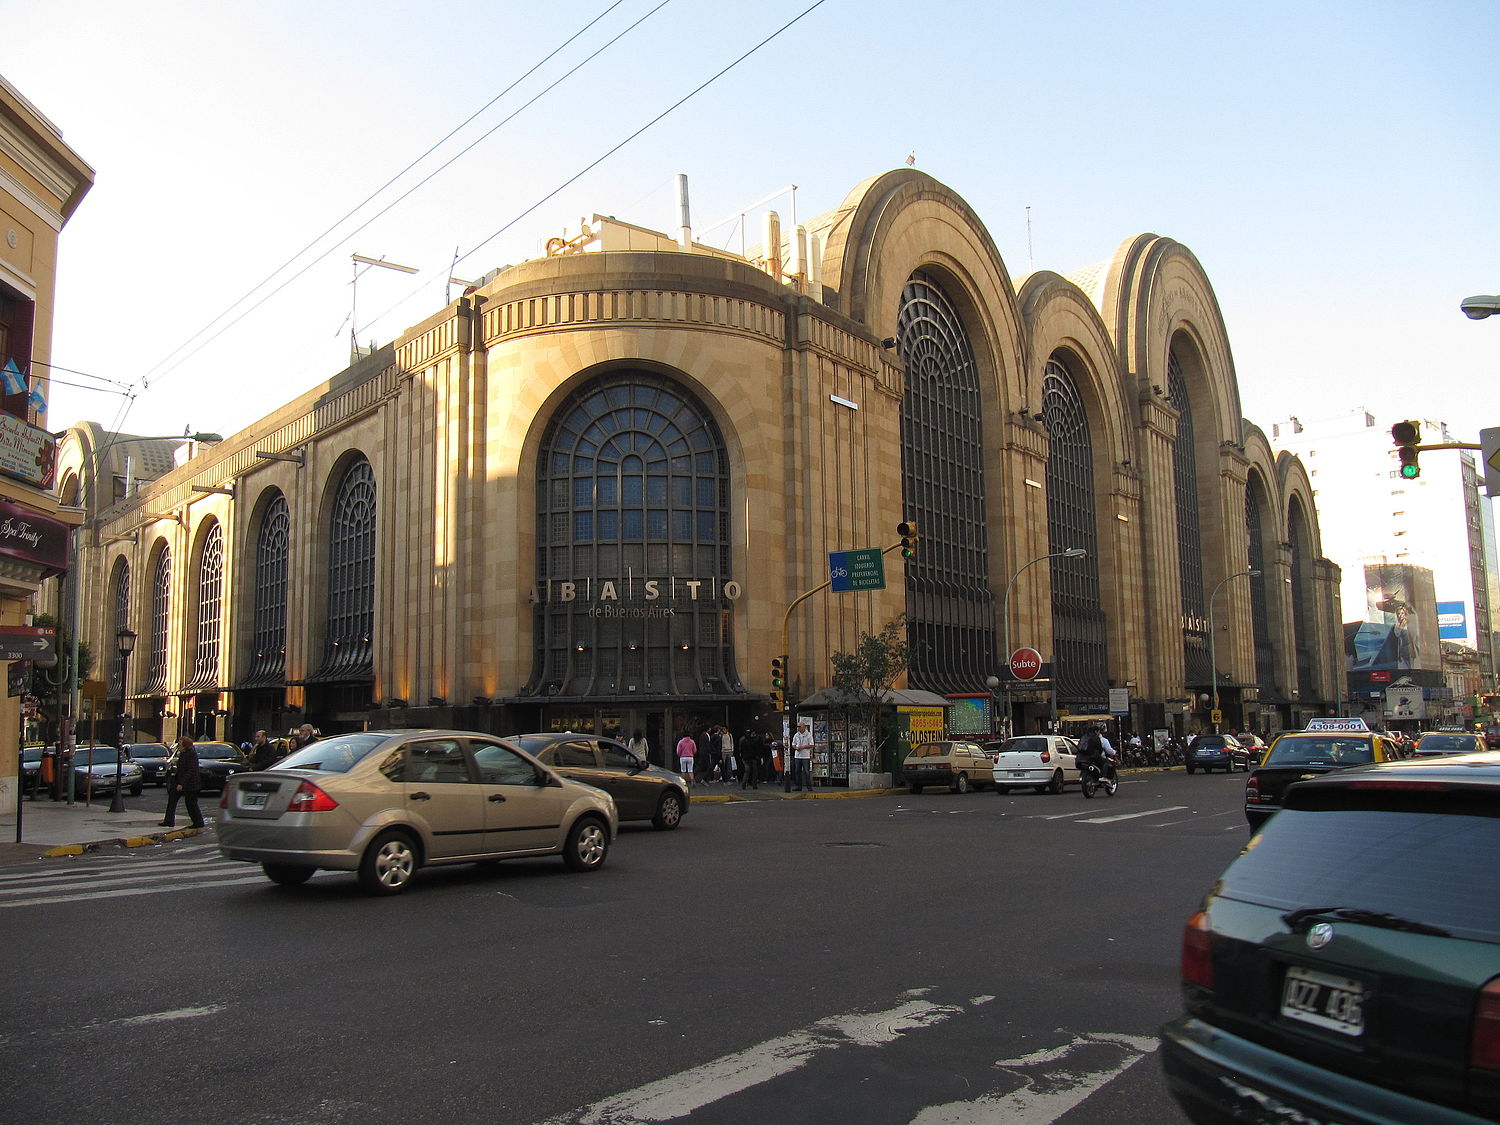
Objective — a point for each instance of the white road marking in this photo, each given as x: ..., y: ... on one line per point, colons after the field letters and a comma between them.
x: 1047, y: 1093
x: 681, y: 1094
x: 1133, y: 815
x: 161, y: 889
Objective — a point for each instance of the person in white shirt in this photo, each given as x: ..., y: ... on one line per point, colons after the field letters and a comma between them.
x: 802, y: 747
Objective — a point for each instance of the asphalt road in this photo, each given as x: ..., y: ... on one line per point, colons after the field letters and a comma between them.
x: 910, y: 959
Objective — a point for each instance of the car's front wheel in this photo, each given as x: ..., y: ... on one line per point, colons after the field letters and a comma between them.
x: 668, y: 811
x: 286, y: 874
x: 135, y: 790
x: 388, y: 864
x: 588, y: 844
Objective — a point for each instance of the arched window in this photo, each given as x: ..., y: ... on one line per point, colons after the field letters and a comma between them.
x: 268, y: 609
x: 161, y: 605
x: 1260, y: 604
x: 350, y: 625
x: 1302, y: 611
x: 950, y: 606
x: 1079, y: 634
x: 210, y: 587
x: 634, y: 579
x: 121, y: 621
x: 1189, y: 530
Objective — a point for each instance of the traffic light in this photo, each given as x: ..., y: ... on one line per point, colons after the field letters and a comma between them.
x: 908, y: 532
x: 1408, y: 436
x: 778, y: 682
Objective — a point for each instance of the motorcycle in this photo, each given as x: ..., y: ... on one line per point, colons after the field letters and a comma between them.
x: 1093, y: 779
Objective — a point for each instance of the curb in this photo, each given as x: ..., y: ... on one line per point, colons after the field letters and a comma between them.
x: 120, y: 842
x: 810, y: 795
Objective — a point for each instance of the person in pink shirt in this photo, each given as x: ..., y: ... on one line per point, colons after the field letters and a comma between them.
x: 686, y: 750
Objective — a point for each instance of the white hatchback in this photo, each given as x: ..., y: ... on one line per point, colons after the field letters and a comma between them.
x: 1044, y: 762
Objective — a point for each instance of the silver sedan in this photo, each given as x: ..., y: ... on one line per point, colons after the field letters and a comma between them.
x: 383, y: 803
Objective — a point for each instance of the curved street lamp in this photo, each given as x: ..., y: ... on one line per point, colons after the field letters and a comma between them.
x: 1070, y: 553
x: 1213, y: 664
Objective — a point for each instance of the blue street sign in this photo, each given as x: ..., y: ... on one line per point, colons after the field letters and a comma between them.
x: 856, y: 570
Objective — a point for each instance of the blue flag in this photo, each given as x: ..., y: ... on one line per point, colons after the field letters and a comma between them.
x: 10, y: 378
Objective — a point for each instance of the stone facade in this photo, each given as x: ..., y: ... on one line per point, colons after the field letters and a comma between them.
x: 801, y: 381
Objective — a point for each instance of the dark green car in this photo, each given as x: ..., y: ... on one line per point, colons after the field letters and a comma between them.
x: 1346, y: 967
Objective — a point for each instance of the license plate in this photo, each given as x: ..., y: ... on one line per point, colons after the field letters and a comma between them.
x: 253, y: 800
x: 1323, y: 1000
x: 1018, y: 773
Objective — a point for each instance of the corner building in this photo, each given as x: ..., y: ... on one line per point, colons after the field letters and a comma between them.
x: 584, y: 495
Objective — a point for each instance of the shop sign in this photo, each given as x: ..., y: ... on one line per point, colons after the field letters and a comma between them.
x: 921, y: 724
x: 633, y: 595
x: 28, y: 535
x: 27, y: 452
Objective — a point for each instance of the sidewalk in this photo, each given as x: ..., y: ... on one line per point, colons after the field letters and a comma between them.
x: 53, y: 828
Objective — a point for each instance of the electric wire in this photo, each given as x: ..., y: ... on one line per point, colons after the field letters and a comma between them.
x: 421, y: 183
x: 357, y: 207
x: 616, y: 148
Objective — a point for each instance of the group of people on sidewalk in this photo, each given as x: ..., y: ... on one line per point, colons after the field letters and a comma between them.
x: 713, y: 754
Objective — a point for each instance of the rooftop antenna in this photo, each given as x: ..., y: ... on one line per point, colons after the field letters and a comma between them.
x: 355, y: 352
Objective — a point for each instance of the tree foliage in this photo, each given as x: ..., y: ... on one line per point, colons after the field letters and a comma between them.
x: 861, y: 678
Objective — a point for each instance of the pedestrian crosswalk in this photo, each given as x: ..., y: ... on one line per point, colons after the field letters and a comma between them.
x: 130, y: 874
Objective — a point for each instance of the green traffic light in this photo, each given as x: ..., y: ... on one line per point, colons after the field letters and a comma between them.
x: 1411, y: 471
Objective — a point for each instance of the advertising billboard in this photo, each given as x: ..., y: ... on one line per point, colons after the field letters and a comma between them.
x: 1399, y: 631
x: 1453, y: 621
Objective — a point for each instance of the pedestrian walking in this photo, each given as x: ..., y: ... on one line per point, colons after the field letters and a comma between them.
x: 752, y: 747
x: 262, y: 752
x: 726, y: 755
x: 639, y: 746
x: 802, y: 747
x: 183, y: 785
x: 687, y: 753
x: 708, y: 752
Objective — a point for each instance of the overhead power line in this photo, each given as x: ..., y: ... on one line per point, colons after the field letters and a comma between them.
x: 200, y: 334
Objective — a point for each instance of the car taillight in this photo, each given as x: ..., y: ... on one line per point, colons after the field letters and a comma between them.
x: 1252, y: 791
x: 1484, y: 1045
x: 1197, y: 951
x: 309, y: 798
x: 1046, y: 755
x: 224, y: 797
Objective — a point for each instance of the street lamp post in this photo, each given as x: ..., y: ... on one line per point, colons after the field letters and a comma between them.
x: 1213, y: 663
x: 124, y: 645
x: 1070, y: 553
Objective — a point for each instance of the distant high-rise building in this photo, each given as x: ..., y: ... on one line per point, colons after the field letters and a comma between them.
x: 1371, y: 516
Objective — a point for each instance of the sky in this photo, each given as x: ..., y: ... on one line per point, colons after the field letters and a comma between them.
x: 1332, y: 165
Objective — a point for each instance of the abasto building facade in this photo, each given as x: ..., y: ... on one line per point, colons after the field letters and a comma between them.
x: 585, y: 495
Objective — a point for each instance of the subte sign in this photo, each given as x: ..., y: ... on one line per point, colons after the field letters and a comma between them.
x: 1025, y: 664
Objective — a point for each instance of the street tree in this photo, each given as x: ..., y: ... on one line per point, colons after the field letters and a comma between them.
x: 862, y: 678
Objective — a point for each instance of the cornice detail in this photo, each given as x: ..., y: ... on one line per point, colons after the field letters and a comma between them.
x: 632, y: 308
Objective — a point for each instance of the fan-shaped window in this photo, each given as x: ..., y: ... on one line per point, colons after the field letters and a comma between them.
x: 268, y: 611
x: 1260, y: 606
x: 1302, y: 611
x: 121, y: 621
x: 347, y: 652
x: 161, y: 605
x: 1078, y: 625
x: 210, y: 585
x: 1189, y: 529
x: 634, y: 585
x: 949, y: 604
